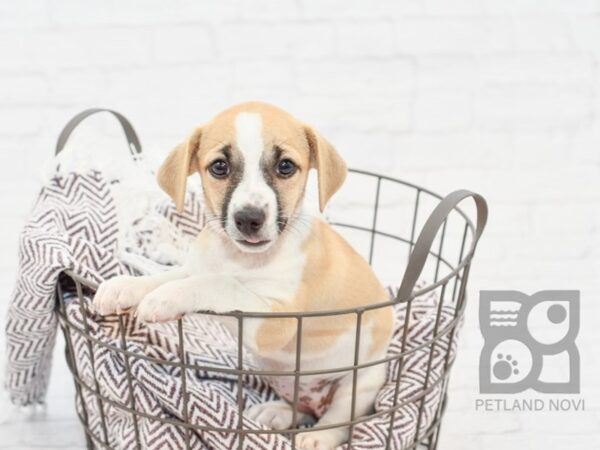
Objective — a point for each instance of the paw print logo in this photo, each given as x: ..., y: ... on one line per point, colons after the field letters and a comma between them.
x: 505, y: 367
x: 525, y: 336
x: 510, y: 362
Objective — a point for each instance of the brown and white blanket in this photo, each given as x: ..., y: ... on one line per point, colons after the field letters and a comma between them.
x: 75, y: 226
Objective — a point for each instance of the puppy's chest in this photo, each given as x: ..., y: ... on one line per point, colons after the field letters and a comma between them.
x: 277, y: 279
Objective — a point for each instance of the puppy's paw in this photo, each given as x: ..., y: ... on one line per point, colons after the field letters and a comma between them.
x: 276, y: 415
x: 121, y: 293
x: 320, y: 440
x: 163, y: 304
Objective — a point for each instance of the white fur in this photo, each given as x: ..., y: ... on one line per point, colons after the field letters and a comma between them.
x: 276, y: 414
x: 253, y: 189
x: 210, y: 280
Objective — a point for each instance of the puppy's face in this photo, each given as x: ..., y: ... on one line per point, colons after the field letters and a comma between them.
x: 254, y: 161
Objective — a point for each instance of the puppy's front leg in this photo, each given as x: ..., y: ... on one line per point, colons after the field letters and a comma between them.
x: 216, y: 293
x: 123, y: 292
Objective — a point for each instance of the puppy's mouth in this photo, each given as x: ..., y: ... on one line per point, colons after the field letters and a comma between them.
x: 253, y: 242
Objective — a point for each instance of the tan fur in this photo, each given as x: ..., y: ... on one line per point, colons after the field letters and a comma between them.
x: 335, y: 277
x: 330, y: 166
x: 181, y: 162
x: 297, y: 140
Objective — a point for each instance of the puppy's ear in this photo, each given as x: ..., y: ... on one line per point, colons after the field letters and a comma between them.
x: 181, y: 163
x: 330, y: 166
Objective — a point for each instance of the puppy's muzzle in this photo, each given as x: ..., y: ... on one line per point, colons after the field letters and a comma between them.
x: 249, y: 221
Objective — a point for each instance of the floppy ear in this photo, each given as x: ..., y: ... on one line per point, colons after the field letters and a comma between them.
x: 330, y: 166
x: 181, y: 163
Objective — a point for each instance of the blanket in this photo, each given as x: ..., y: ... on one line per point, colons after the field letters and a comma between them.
x: 75, y: 226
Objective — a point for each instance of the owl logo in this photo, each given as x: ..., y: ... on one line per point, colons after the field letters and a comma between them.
x: 529, y: 342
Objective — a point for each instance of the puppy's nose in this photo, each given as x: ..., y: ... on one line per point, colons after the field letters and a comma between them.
x: 249, y: 220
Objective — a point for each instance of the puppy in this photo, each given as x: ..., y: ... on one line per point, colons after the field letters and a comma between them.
x: 261, y: 252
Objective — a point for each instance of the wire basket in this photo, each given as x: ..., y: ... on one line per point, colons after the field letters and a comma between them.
x: 380, y: 216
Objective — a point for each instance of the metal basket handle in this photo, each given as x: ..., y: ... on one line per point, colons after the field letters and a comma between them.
x: 422, y: 247
x: 134, y: 143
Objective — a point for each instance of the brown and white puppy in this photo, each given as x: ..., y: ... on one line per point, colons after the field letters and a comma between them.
x: 261, y: 252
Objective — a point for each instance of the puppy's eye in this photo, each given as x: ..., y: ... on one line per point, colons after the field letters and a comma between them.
x: 219, y: 168
x: 286, y: 168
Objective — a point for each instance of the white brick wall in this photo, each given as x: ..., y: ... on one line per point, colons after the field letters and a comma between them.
x: 500, y: 96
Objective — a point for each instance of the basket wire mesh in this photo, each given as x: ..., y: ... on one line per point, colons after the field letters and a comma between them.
x: 430, y: 250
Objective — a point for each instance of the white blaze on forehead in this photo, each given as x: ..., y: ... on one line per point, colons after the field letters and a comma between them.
x: 248, y: 129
